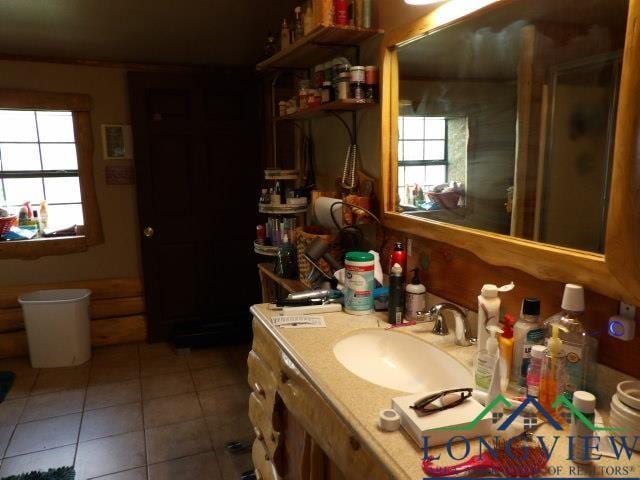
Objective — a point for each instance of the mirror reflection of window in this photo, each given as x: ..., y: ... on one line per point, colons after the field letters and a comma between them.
x: 432, y: 152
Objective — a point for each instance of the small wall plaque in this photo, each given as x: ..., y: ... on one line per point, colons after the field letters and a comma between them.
x: 120, y: 174
x: 117, y: 142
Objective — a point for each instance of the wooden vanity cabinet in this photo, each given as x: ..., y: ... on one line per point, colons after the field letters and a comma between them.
x: 299, y: 436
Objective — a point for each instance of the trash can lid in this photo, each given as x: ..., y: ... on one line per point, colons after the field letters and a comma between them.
x: 55, y: 296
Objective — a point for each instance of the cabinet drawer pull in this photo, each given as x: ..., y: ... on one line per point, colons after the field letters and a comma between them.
x: 258, y: 388
x: 258, y: 433
x: 284, y: 378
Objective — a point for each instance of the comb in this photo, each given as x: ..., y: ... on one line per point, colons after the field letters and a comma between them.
x: 518, y: 460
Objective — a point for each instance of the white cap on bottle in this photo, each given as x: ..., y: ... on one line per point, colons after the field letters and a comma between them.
x: 584, y: 401
x: 396, y: 269
x: 489, y: 291
x: 537, y: 351
x: 573, y: 298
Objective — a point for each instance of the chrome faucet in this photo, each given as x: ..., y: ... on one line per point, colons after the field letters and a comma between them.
x: 462, y: 333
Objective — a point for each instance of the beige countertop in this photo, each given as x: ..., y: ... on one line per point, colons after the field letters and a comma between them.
x: 359, y: 402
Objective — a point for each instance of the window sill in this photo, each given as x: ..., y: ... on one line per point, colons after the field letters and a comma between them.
x: 41, y: 247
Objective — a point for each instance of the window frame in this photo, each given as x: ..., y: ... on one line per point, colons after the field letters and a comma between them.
x: 80, y: 107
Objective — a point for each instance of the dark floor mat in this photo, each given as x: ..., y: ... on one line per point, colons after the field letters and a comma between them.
x: 6, y: 382
x: 63, y: 473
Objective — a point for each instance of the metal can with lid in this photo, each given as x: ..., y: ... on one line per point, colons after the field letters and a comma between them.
x: 359, y: 283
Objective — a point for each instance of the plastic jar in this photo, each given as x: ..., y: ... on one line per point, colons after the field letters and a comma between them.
x: 328, y: 93
x: 342, y: 87
x: 359, y: 283
x: 357, y: 74
x: 371, y: 82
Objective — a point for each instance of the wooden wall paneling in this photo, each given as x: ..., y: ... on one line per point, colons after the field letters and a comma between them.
x: 114, y: 331
x: 458, y: 275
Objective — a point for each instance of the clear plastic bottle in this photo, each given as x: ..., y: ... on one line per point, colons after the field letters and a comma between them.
x: 553, y: 377
x: 528, y: 331
x: 578, y: 346
x: 534, y: 372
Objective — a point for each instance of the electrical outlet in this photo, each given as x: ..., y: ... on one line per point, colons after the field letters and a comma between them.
x: 623, y: 325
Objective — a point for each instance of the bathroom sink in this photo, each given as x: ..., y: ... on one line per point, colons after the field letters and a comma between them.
x: 400, y: 361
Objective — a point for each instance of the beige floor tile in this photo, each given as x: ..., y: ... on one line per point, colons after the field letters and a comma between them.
x: 53, y: 405
x: 197, y: 467
x: 5, y: 436
x: 153, y: 350
x: 232, y: 466
x: 165, y: 385
x: 22, y: 386
x: 110, y: 455
x: 208, y: 378
x: 177, y: 440
x: 10, y: 410
x: 163, y: 365
x: 225, y: 430
x: 110, y: 394
x: 61, y: 379
x: 53, y: 458
x: 108, y: 374
x: 134, y: 474
x: 210, y: 357
x: 230, y: 402
x: 44, y: 434
x: 174, y: 409
x: 116, y: 355
x: 111, y: 421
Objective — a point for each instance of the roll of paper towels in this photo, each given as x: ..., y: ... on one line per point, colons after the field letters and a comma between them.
x: 322, y: 211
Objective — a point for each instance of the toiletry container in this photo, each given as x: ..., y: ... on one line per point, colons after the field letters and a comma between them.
x: 395, y: 294
x: 415, y: 297
x: 489, y: 309
x: 578, y: 346
x: 359, y: 283
x: 553, y: 376
x: 585, y: 403
x: 528, y: 331
x: 506, y: 351
x: 534, y: 371
x: 487, y: 366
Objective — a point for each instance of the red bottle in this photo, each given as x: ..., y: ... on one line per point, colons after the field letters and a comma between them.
x: 399, y: 255
x: 341, y: 12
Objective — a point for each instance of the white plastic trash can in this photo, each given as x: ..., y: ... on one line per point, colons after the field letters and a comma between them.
x: 58, y: 327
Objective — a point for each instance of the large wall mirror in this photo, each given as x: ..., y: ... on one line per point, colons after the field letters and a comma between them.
x: 502, y: 124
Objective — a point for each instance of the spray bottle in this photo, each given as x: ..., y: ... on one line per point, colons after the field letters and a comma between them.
x: 395, y: 294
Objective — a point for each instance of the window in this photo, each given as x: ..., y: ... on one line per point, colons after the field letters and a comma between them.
x: 39, y: 162
x: 431, y: 151
x: 46, y: 154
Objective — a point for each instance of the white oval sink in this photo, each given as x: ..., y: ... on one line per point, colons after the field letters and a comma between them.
x: 401, y: 362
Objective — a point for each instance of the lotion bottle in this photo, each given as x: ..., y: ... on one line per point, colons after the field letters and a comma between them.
x: 487, y: 368
x: 489, y: 309
x: 415, y: 297
x: 506, y: 351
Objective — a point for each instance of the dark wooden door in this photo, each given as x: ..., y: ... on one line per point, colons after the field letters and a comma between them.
x: 196, y: 154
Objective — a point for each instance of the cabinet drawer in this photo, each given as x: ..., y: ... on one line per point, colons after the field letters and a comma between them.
x: 261, y: 419
x: 265, y: 346
x: 264, y: 468
x: 324, y: 425
x: 261, y: 379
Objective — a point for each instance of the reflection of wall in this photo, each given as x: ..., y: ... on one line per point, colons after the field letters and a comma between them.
x: 490, y: 109
x: 457, y: 149
x: 119, y: 255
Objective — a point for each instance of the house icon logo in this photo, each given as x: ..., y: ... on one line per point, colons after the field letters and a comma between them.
x: 531, y: 415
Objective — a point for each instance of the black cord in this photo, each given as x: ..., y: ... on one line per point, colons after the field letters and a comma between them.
x: 342, y: 230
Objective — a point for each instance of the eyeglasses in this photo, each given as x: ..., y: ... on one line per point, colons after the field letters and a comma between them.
x: 448, y: 399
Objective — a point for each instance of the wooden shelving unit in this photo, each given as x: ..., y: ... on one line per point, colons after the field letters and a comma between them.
x: 350, y: 105
x: 318, y: 46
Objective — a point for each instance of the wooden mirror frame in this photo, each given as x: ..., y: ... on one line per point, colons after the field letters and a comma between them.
x: 617, y: 272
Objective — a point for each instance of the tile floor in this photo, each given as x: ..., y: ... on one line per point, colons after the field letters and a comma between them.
x: 133, y: 412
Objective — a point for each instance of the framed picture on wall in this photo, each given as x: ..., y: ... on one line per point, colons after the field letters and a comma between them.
x: 117, y: 142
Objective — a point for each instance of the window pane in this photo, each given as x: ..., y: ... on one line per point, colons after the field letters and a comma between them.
x: 55, y: 126
x: 59, y: 156
x: 17, y: 126
x: 401, y: 150
x: 63, y: 216
x: 435, y: 127
x: 400, y: 176
x: 414, y: 128
x: 436, y: 175
x: 414, y: 175
x: 413, y: 151
x: 434, y: 150
x: 20, y: 190
x: 62, y: 190
x: 19, y: 156
x: 400, y: 127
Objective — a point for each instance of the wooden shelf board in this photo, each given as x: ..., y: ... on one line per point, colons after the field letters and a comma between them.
x: 316, y: 47
x: 350, y: 105
x: 289, y: 285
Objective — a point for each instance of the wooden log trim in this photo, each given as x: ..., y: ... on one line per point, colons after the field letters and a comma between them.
x: 33, y: 100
